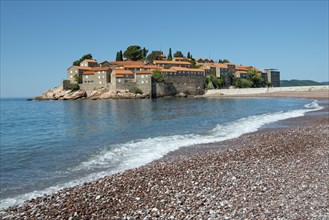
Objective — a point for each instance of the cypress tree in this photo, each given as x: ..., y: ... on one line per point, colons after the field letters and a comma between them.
x: 120, y: 56
x: 169, y: 55
x: 188, y: 55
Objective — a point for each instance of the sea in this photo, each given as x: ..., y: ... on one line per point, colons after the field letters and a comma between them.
x: 50, y: 145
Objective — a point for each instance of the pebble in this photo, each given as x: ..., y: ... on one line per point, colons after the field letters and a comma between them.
x: 266, y: 175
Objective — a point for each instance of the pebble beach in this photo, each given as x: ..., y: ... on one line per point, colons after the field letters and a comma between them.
x: 279, y: 173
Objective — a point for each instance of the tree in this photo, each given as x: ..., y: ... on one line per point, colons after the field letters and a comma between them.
x: 169, y: 55
x: 144, y: 52
x: 154, y: 55
x: 225, y: 61
x: 119, y: 56
x: 188, y: 55
x: 220, y: 61
x: 231, y: 75
x: 268, y: 84
x: 86, y: 56
x: 134, y: 53
x: 242, y: 83
x: 158, y: 76
x: 178, y: 54
x: 254, y: 77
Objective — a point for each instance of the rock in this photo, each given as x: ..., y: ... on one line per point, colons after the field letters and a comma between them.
x: 108, y: 95
x: 75, y: 95
x: 181, y: 95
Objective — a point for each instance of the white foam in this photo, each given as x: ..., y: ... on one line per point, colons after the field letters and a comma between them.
x: 137, y: 153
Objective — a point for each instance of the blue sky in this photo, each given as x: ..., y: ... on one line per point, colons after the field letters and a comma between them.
x: 41, y: 39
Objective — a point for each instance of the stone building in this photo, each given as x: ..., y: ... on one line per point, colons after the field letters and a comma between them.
x: 272, y: 76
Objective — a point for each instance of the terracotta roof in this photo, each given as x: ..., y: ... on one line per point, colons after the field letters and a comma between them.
x: 90, y: 60
x: 122, y: 71
x: 81, y: 67
x: 187, y: 69
x: 168, y: 70
x: 171, y: 62
x: 144, y: 72
x: 88, y: 73
x: 122, y: 63
x: 218, y: 65
x: 119, y: 76
x: 150, y: 67
x: 134, y: 65
x: 101, y: 68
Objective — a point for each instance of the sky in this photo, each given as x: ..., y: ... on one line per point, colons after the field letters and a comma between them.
x: 41, y: 39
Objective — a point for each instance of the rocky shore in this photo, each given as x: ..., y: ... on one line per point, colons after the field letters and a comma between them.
x: 58, y: 93
x: 280, y: 173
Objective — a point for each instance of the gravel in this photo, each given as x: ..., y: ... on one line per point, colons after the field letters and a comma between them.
x: 275, y: 174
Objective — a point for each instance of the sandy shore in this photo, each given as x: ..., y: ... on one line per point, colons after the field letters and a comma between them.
x: 320, y: 94
x: 273, y: 173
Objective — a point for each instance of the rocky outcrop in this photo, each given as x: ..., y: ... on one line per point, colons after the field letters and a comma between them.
x: 58, y: 93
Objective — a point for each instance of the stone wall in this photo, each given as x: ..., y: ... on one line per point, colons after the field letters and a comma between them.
x: 163, y: 90
x: 189, y: 85
x: 247, y: 91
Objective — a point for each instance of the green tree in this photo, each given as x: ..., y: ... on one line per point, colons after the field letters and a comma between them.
x: 169, y: 55
x: 178, y: 54
x: 231, y: 75
x: 134, y: 53
x: 268, y: 84
x: 154, y: 55
x: 86, y: 56
x: 144, y: 52
x: 117, y: 57
x: 225, y: 61
x: 242, y: 83
x: 158, y: 76
x: 121, y: 55
x: 188, y: 55
x: 254, y: 77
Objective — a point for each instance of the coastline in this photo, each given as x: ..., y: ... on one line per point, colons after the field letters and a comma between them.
x: 233, y: 178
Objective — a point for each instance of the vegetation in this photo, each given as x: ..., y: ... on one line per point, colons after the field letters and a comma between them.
x: 154, y: 55
x: 242, y: 83
x: 255, y: 78
x: 268, y: 84
x: 136, y: 90
x: 77, y: 62
x: 212, y: 81
x: 223, y: 61
x: 189, y: 55
x: 158, y: 76
x: 296, y: 82
x: 75, y: 85
x: 135, y: 53
x: 169, y: 55
x: 119, y: 56
x: 178, y: 54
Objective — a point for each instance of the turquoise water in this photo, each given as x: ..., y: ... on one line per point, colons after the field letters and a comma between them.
x: 48, y: 145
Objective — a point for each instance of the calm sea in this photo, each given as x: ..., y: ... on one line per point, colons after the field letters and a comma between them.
x: 49, y: 145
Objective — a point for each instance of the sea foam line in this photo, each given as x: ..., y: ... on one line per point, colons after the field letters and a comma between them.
x: 137, y: 153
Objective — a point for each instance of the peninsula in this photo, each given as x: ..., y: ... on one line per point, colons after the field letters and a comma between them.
x: 137, y: 74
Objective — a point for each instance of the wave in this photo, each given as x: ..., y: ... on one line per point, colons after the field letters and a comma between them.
x: 136, y: 153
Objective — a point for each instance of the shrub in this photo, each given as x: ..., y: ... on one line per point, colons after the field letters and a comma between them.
x: 136, y: 90
x: 158, y: 76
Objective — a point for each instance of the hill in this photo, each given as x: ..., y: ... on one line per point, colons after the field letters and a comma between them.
x: 296, y: 82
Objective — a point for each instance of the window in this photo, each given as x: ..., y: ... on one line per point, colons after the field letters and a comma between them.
x: 71, y: 77
x: 76, y: 71
x: 86, y: 77
x: 119, y: 80
x: 71, y: 71
x: 103, y: 77
x: 99, y: 77
x: 142, y: 82
x: 142, y: 76
x: 100, y: 82
x: 146, y: 81
x: 147, y: 76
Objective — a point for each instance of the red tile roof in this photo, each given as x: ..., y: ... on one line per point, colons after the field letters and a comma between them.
x: 171, y: 62
x: 187, y: 69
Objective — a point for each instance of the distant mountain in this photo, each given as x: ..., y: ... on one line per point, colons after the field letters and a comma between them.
x: 296, y: 82
x: 325, y: 83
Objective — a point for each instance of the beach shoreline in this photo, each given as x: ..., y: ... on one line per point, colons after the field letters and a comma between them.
x: 270, y: 173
